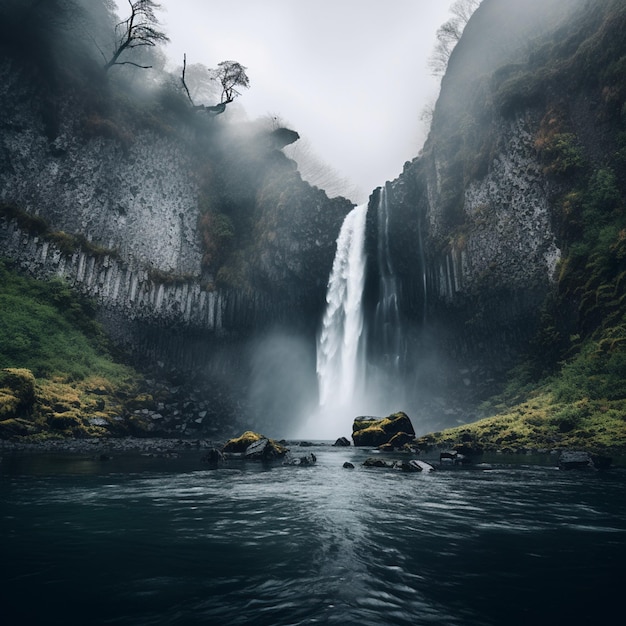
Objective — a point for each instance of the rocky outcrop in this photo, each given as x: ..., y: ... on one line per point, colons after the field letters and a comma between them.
x: 477, y: 223
x: 127, y: 287
x: 412, y: 465
x: 254, y: 447
x: 121, y: 187
x: 373, y: 432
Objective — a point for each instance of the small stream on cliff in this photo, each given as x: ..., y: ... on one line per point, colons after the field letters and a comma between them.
x: 139, y: 540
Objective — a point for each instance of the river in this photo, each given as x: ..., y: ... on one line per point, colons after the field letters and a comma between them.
x: 165, y: 540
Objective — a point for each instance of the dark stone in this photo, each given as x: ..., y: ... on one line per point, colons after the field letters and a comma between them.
x: 342, y: 442
x: 377, y: 462
x: 264, y: 450
x: 410, y: 466
x: 578, y: 459
x: 257, y: 449
x: 303, y: 461
x: 399, y: 440
x: 348, y: 465
x: 253, y: 446
x: 452, y: 456
x: 305, y: 444
x: 213, y: 458
x: 601, y: 462
x: 282, y: 137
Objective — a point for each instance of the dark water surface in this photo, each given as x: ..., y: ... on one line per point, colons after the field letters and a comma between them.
x: 139, y: 540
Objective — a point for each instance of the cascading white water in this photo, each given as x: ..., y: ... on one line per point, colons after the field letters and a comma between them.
x: 348, y: 386
x: 340, y: 361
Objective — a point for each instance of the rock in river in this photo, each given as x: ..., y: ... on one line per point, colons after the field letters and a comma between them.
x: 254, y: 446
x: 371, y: 431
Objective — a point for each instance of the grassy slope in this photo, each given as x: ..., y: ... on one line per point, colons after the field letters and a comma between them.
x: 48, y: 336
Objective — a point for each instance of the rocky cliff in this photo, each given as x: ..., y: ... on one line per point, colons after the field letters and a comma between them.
x: 531, y: 112
x: 122, y: 191
x: 198, y: 237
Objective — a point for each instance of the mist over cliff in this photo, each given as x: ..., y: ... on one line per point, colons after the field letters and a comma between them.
x: 207, y: 253
x: 498, y: 227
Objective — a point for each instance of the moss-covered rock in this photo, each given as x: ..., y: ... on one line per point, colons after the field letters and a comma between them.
x: 17, y: 393
x: 367, y: 431
x: 254, y: 446
x: 16, y: 427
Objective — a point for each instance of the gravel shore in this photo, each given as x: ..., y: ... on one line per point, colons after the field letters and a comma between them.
x: 124, y: 444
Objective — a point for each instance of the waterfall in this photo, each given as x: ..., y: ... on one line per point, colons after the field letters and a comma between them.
x: 387, y: 327
x: 340, y: 353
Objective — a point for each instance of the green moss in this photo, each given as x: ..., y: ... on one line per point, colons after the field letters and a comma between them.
x: 30, y: 223
x: 57, y: 371
x: 67, y: 243
x: 238, y: 445
x: 17, y: 392
x: 376, y: 432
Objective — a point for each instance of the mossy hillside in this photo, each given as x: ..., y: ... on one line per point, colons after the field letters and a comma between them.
x: 57, y: 374
x: 583, y: 405
x: 570, y: 390
x: 541, y: 424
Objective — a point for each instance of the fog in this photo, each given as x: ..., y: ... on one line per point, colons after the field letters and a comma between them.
x: 351, y: 77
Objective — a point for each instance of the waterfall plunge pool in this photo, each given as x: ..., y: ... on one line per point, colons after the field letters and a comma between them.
x: 148, y: 540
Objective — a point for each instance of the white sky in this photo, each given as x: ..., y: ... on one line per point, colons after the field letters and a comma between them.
x: 350, y: 76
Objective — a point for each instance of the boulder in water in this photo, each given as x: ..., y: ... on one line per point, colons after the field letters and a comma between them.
x: 415, y: 465
x: 401, y: 441
x: 303, y: 461
x: 406, y: 466
x: 372, y: 431
x: 213, y: 458
x: 575, y: 459
x: 378, y: 462
x: 342, y: 442
x: 254, y: 446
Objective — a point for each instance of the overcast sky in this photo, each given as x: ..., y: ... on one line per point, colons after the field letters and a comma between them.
x: 350, y: 76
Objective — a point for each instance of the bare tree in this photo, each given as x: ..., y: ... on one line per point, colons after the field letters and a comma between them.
x: 449, y: 33
x: 231, y: 75
x: 140, y: 29
x: 198, y: 83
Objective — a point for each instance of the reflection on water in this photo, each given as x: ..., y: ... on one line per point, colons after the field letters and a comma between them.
x: 139, y: 540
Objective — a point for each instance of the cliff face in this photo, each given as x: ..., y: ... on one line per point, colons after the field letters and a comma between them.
x: 132, y: 194
x: 122, y: 191
x: 482, y: 220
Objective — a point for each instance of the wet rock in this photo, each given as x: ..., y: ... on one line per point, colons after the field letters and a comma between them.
x: 398, y: 441
x: 348, y: 465
x: 260, y: 449
x: 368, y: 431
x: 213, y: 458
x: 342, y: 442
x: 415, y: 465
x: 453, y: 457
x: 577, y: 459
x: 254, y: 446
x: 303, y: 461
x: 378, y: 462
